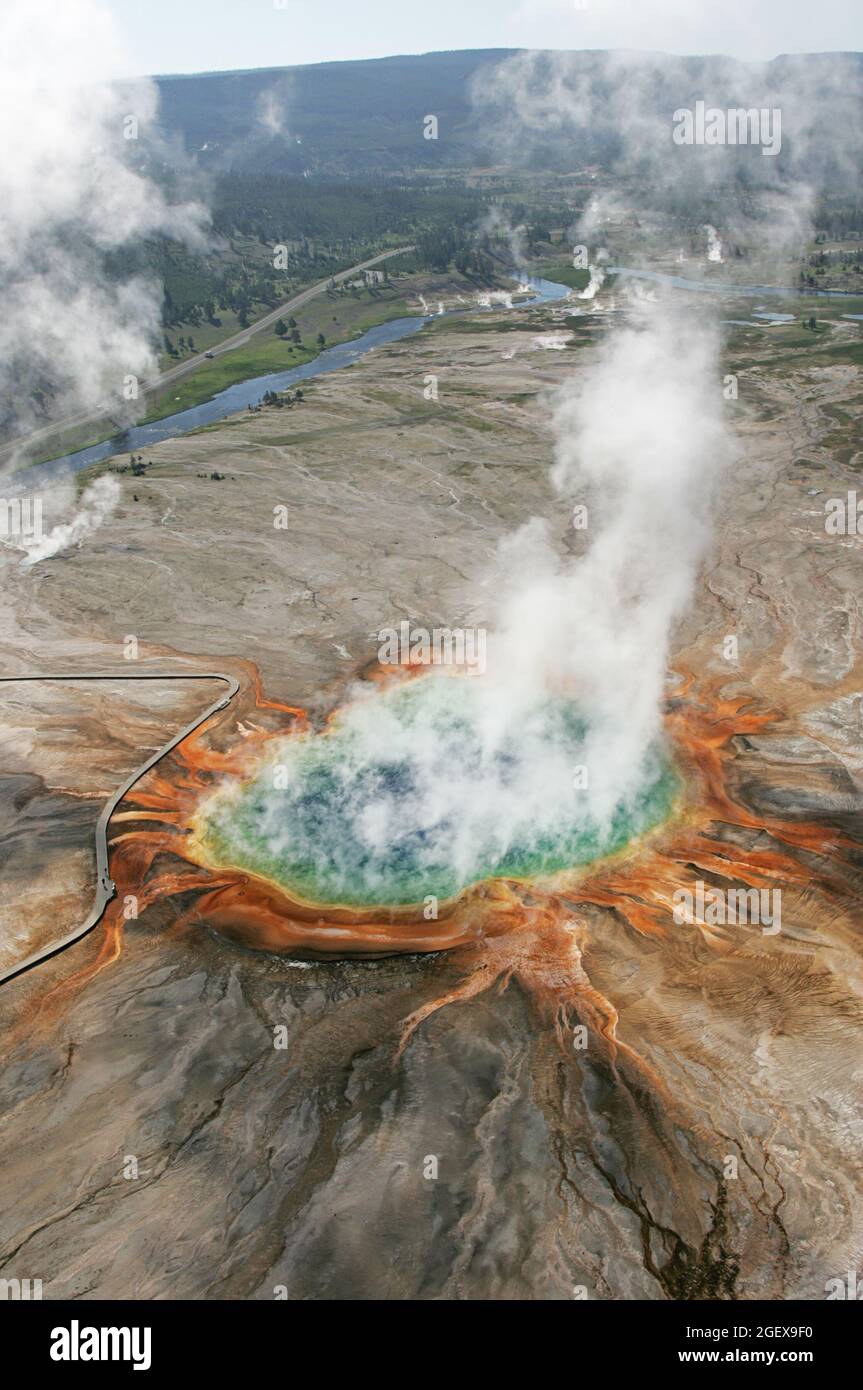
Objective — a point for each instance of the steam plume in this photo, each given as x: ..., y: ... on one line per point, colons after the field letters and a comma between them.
x: 441, y: 784
x: 616, y: 109
x: 641, y: 441
x: 71, y: 331
x: 97, y: 505
x: 714, y: 244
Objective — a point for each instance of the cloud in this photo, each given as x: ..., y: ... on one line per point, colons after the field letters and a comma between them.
x: 272, y: 111
x: 641, y: 440
x: 71, y: 329
x: 496, y: 225
x: 53, y: 520
x: 568, y: 110
x: 553, y: 755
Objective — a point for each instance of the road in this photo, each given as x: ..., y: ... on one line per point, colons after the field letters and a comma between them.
x: 105, y: 887
x: 87, y: 417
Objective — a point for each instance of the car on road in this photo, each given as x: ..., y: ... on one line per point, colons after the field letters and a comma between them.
x: 209, y: 354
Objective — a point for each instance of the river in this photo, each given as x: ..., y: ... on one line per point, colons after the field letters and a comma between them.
x: 236, y: 398
x: 243, y: 394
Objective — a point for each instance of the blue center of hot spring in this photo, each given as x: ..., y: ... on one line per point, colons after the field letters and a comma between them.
x: 421, y: 790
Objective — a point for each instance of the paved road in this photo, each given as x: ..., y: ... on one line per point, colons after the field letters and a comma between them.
x: 86, y: 417
x: 105, y: 887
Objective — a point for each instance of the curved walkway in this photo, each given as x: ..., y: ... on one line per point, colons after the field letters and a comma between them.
x: 105, y: 887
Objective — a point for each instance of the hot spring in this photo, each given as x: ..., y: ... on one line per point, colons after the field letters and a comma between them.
x: 414, y: 791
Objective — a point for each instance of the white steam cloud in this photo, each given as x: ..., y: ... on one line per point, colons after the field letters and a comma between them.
x: 71, y: 329
x: 497, y: 226
x: 594, y: 284
x: 97, y: 505
x: 641, y: 441
x: 714, y: 244
x: 50, y: 520
x: 552, y: 342
x: 455, y: 776
x: 616, y: 109
x: 272, y: 111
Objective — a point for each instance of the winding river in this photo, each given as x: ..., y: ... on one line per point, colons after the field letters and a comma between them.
x: 243, y: 394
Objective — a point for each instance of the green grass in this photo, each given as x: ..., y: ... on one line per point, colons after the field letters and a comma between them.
x: 338, y: 319
x: 563, y: 273
x: 263, y: 355
x: 482, y: 322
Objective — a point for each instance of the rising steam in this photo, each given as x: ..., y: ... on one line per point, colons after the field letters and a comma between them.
x: 97, y: 505
x: 714, y: 245
x: 565, y: 110
x: 71, y: 331
x: 640, y: 440
x: 553, y: 756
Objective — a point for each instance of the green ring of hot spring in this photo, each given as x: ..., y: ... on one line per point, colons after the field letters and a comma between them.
x: 403, y: 797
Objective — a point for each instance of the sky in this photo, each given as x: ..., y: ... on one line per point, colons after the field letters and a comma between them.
x: 164, y: 36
